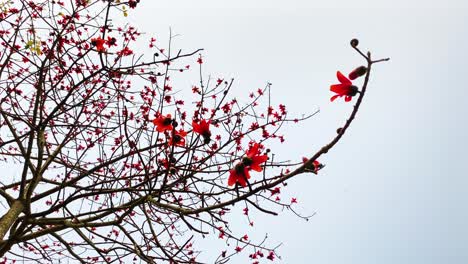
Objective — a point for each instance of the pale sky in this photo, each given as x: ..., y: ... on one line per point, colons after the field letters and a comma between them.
x: 395, y: 188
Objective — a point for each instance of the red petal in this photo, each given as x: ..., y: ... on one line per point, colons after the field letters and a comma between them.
x: 253, y: 150
x: 257, y: 161
x: 246, y: 173
x: 342, y: 78
x: 232, y: 177
x: 334, y: 97
x: 340, y: 89
x: 347, y: 98
x: 162, y: 128
x: 242, y: 182
x: 196, y: 127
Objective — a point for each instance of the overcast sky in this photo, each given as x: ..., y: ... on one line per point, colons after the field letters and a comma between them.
x: 395, y: 188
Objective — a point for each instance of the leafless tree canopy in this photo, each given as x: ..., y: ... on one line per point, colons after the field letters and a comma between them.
x: 105, y: 162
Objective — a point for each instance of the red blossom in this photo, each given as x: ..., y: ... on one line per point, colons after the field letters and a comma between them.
x: 81, y: 3
x: 271, y: 256
x: 239, y: 174
x: 163, y: 123
x: 276, y: 190
x: 203, y: 128
x: 178, y: 139
x: 99, y: 44
x: 111, y: 41
x: 345, y: 88
x: 253, y: 160
x: 133, y: 3
x: 125, y: 52
x: 314, y: 167
x: 246, y: 211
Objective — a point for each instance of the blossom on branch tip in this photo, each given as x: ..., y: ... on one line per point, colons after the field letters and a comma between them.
x: 240, y: 174
x: 203, y: 128
x: 344, y: 88
x: 163, y: 123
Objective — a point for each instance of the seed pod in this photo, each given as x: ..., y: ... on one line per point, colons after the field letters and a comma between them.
x: 358, y: 72
x: 354, y: 42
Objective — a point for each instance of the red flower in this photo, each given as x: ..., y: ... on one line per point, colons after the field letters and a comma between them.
x: 203, y: 128
x: 163, y: 123
x: 111, y: 41
x: 99, y: 44
x: 271, y: 256
x: 314, y: 167
x: 125, y: 52
x: 239, y: 174
x: 253, y: 160
x: 178, y: 139
x: 345, y: 88
x: 133, y: 3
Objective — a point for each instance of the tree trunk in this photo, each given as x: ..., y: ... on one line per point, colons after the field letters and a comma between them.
x: 9, y: 218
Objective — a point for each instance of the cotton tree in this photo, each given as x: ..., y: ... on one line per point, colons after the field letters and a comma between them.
x: 107, y: 162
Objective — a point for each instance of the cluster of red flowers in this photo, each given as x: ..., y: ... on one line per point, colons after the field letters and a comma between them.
x: 253, y: 159
x: 166, y: 123
x: 241, y: 171
x: 345, y: 87
x: 99, y: 42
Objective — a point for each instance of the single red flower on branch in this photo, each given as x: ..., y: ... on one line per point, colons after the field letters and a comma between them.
x: 178, y: 139
x: 345, y: 88
x: 239, y: 174
x: 125, y: 52
x: 203, y: 128
x: 111, y: 41
x: 99, y: 44
x: 163, y: 123
x: 253, y: 160
x: 314, y: 167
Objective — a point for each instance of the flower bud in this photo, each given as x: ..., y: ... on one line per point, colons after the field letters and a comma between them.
x: 354, y: 42
x: 358, y: 72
